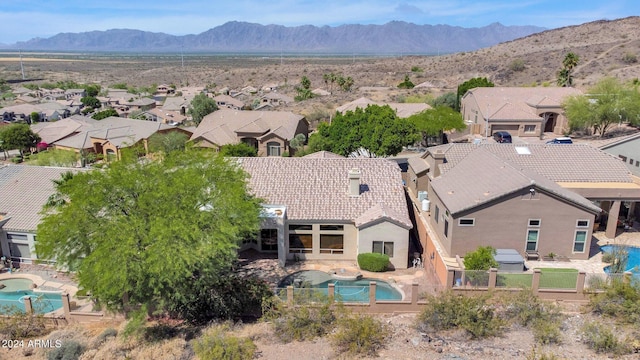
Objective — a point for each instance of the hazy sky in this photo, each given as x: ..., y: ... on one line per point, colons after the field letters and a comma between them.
x: 21, y: 20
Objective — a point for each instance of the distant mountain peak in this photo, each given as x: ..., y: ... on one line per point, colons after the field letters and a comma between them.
x: 238, y: 36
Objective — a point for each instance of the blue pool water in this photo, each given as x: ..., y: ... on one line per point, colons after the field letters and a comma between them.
x: 633, y: 262
x: 12, y: 297
x: 345, y: 290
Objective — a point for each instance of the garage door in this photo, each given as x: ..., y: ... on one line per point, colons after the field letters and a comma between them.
x: 512, y: 129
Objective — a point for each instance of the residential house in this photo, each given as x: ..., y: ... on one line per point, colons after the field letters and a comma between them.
x: 330, y: 208
x: 74, y: 93
x: 628, y: 150
x: 47, y: 111
x: 110, y: 135
x: 24, y: 190
x: 532, y: 198
x: 275, y: 99
x: 179, y: 104
x: 164, y: 116
x: 141, y: 104
x: 403, y: 110
x: 268, y: 131
x: 165, y: 89
x: 270, y: 87
x: 50, y: 133
x: 226, y: 101
x: 26, y: 99
x: 526, y: 111
x: 51, y: 94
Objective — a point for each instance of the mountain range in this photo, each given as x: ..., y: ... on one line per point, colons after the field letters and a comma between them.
x: 242, y: 37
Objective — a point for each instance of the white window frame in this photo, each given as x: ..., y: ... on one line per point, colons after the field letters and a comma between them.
x: 534, y: 226
x: 526, y: 243
x: 530, y: 131
x: 582, y: 226
x: 584, y: 244
x: 473, y: 222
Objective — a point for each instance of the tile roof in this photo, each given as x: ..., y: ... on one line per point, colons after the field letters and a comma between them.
x: 483, y: 176
x: 24, y: 190
x: 324, y: 154
x: 566, y: 163
x: 50, y: 132
x: 221, y: 126
x: 418, y: 164
x: 403, y: 110
x: 317, y: 188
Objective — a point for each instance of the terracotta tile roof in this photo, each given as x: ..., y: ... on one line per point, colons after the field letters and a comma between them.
x: 221, y: 126
x: 483, y: 176
x: 24, y: 190
x: 317, y: 188
x: 567, y: 163
x: 50, y: 132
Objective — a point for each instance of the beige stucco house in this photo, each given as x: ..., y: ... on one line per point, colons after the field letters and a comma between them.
x: 532, y: 198
x: 628, y: 150
x: 268, y: 131
x: 521, y: 111
x: 330, y: 208
x: 24, y: 190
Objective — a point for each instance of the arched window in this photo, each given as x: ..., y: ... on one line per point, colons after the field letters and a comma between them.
x: 111, y: 155
x: 273, y: 148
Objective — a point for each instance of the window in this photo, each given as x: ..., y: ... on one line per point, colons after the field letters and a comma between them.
x: 332, y: 227
x: 437, y: 213
x: 331, y: 244
x: 631, y: 161
x: 466, y: 222
x: 529, y: 128
x: 383, y: 247
x: 299, y: 227
x: 17, y: 237
x: 19, y: 250
x: 300, y: 243
x: 273, y: 148
x: 579, y: 241
x: 582, y: 223
x: 532, y: 240
x: 637, y: 163
x: 446, y: 228
x: 269, y: 239
x: 534, y: 222
x: 624, y: 158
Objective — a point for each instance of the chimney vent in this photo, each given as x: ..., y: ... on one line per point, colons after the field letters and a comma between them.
x: 354, y: 182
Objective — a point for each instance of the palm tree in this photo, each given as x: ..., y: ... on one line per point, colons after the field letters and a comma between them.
x: 565, y: 78
x: 570, y: 61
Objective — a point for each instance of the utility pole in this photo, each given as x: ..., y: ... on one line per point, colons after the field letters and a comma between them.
x: 21, y: 67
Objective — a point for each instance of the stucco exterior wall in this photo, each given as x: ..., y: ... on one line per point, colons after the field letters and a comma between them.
x: 629, y: 152
x: 386, y: 231
x: 350, y: 246
x: 30, y: 241
x: 505, y: 224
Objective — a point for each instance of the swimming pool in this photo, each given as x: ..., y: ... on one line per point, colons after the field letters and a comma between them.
x: 633, y: 260
x: 15, y: 290
x: 345, y: 290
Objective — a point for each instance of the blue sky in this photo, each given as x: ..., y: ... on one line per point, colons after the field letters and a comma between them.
x: 22, y: 20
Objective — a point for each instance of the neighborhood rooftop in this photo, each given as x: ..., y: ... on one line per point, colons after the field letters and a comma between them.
x: 318, y: 188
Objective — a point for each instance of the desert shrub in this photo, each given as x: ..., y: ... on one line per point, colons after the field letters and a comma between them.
x: 217, y: 344
x: 104, y: 336
x: 535, y: 355
x: 19, y: 325
x: 517, y: 65
x: 547, y: 331
x: 524, y: 307
x: 450, y: 311
x: 630, y: 58
x: 601, y: 339
x: 620, y: 300
x: 480, y: 259
x: 416, y: 69
x: 375, y: 262
x: 302, y: 322
x: 406, y: 84
x: 360, y: 335
x: 69, y: 350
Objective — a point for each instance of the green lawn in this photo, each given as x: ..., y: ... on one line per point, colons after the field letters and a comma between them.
x: 550, y: 278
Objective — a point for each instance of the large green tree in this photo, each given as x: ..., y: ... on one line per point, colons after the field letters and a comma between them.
x: 147, y: 232
x: 18, y: 137
x: 434, y: 122
x: 470, y: 84
x: 201, y: 106
x: 376, y: 129
x: 104, y: 114
x: 607, y: 103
